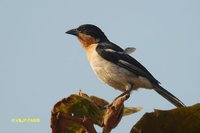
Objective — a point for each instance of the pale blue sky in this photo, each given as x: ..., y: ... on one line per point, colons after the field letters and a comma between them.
x: 40, y: 64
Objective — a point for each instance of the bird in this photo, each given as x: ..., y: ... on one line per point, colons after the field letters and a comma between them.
x: 115, y: 66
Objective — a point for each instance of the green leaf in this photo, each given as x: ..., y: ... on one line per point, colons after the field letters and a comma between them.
x: 179, y: 120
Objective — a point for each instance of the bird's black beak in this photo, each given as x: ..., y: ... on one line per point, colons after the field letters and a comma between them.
x: 72, y: 32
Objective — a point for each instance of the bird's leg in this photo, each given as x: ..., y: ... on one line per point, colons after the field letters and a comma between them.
x: 114, y: 111
x: 127, y: 92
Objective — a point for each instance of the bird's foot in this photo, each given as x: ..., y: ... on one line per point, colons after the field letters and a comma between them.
x: 114, y: 112
x: 126, y: 93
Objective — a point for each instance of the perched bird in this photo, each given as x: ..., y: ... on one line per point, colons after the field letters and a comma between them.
x: 115, y: 66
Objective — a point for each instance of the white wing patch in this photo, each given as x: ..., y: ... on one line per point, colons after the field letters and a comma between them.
x: 134, y: 69
x: 131, y: 66
x: 110, y: 50
x: 128, y: 50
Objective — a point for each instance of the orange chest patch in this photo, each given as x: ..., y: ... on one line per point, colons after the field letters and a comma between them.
x: 86, y: 40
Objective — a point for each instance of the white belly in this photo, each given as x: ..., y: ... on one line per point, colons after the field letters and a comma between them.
x: 112, y: 74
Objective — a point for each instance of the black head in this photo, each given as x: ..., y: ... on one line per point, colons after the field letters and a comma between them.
x: 90, y: 30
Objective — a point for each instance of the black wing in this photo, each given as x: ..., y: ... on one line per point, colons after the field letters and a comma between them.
x: 116, y: 55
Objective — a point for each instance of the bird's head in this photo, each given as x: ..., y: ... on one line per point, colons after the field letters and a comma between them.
x: 88, y: 34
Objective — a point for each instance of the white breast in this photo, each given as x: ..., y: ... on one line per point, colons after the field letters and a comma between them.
x: 112, y: 74
x: 108, y: 72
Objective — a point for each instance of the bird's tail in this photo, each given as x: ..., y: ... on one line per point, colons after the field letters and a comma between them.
x: 167, y: 95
